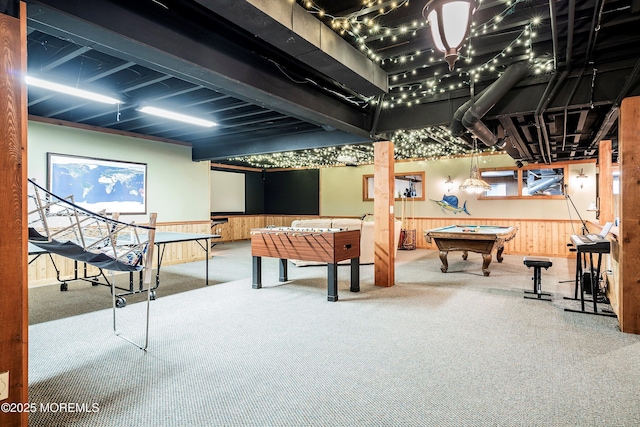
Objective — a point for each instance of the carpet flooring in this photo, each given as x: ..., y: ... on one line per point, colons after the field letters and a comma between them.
x: 454, y: 349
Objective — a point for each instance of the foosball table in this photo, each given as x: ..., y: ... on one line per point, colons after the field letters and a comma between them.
x: 330, y: 245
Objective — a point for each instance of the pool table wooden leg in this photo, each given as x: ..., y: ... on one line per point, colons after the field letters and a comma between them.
x: 465, y: 255
x: 443, y: 258
x: 499, y: 253
x: 486, y: 260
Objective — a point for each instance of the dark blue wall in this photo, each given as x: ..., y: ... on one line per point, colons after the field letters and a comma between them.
x: 294, y: 192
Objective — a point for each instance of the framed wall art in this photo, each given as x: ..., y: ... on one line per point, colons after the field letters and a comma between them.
x: 99, y: 184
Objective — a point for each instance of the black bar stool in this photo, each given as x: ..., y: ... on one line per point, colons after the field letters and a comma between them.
x: 537, y: 263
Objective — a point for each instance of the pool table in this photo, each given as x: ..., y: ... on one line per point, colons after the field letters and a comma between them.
x: 482, y: 239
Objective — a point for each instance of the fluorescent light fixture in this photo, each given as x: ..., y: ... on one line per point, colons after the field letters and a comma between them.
x: 68, y: 90
x: 176, y: 116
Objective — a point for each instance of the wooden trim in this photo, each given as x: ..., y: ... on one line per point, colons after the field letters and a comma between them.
x: 556, y: 197
x: 397, y: 176
x: 162, y: 224
x: 497, y: 220
x: 24, y: 123
x: 556, y: 165
x: 234, y: 167
x: 629, y: 239
x: 560, y: 165
x: 65, y: 123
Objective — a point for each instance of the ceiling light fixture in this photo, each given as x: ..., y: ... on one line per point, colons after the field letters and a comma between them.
x: 69, y: 90
x: 176, y: 116
x: 449, y: 21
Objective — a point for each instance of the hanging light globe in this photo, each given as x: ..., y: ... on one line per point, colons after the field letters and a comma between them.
x: 449, y: 21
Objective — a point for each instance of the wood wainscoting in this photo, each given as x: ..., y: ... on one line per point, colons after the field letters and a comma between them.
x: 542, y: 237
x: 42, y: 271
x: 534, y: 237
x: 238, y: 227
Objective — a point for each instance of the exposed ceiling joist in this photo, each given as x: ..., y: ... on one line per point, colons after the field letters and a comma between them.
x: 293, y: 30
x: 203, y: 62
x: 522, y: 99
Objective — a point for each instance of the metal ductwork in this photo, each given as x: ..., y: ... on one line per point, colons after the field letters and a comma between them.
x: 467, y: 117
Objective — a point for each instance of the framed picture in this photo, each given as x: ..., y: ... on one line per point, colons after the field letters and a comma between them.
x: 98, y: 184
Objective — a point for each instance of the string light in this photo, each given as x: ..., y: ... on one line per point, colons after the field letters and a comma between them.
x: 435, y: 85
x: 417, y: 79
x: 411, y: 87
x: 430, y: 143
x: 366, y: 29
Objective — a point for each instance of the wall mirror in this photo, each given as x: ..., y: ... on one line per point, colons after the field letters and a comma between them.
x: 408, y: 185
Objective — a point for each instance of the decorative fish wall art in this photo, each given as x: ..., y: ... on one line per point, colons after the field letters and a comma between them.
x: 450, y: 203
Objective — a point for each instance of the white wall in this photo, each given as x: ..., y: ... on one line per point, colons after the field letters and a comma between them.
x: 341, y: 192
x: 177, y: 187
x: 227, y: 191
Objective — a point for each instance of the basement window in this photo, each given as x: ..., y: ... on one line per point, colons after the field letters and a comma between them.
x: 407, y: 185
x: 529, y: 182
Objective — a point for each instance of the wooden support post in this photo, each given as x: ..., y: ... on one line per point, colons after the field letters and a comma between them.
x: 605, y: 182
x: 383, y: 205
x: 14, y: 313
x: 629, y: 236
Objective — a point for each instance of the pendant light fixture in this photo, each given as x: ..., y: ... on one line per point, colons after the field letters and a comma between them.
x: 474, y: 184
x: 449, y: 21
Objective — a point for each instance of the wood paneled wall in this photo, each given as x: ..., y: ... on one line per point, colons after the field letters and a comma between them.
x: 534, y: 237
x: 238, y: 227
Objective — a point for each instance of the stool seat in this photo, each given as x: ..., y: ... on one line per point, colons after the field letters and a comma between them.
x: 536, y: 261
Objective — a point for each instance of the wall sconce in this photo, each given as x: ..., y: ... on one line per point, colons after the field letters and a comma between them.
x: 449, y: 21
x: 449, y: 184
x: 582, y: 178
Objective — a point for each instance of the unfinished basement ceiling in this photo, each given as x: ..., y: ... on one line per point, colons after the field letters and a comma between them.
x: 272, y: 87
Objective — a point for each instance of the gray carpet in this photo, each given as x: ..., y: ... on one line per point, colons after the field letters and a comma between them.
x: 455, y: 349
